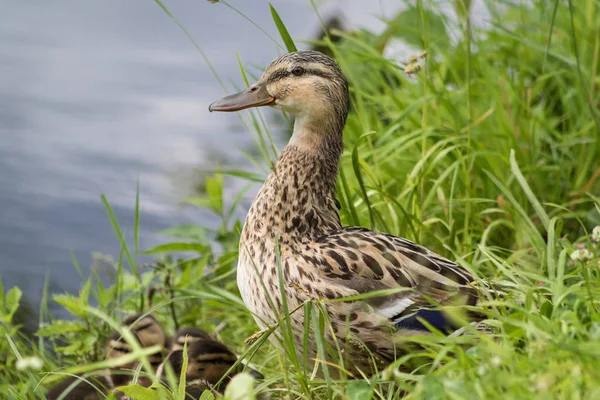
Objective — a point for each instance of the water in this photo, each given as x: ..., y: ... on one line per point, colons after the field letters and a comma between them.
x: 93, y: 96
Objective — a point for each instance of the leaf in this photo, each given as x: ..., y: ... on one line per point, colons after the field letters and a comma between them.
x: 285, y: 35
x: 358, y: 390
x: 546, y: 309
x: 419, y: 26
x: 186, y: 231
x: 207, y: 395
x: 533, y: 233
x: 176, y: 247
x: 71, y: 303
x: 432, y: 388
x: 84, y: 293
x: 12, y: 300
x: 212, y: 194
x: 119, y: 232
x: 514, y: 167
x: 241, y: 387
x: 59, y: 327
x: 136, y: 392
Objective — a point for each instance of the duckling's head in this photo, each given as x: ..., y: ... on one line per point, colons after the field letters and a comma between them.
x: 304, y: 83
x: 208, y: 361
x: 149, y: 331
x: 189, y: 335
x: 116, y: 347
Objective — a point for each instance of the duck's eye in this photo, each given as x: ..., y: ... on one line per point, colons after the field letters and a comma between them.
x: 298, y: 71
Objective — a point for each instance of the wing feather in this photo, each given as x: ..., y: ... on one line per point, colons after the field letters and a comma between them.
x: 361, y: 260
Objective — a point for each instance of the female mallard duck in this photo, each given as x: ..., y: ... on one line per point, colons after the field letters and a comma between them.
x: 296, y: 210
x: 147, y: 331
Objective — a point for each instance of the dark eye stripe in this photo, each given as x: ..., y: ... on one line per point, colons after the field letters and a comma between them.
x: 142, y: 327
x: 122, y: 349
x: 284, y: 73
x: 278, y: 75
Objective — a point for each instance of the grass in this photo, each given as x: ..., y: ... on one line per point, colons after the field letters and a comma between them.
x: 489, y: 156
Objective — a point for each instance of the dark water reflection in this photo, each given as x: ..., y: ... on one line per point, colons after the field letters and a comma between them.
x: 94, y: 94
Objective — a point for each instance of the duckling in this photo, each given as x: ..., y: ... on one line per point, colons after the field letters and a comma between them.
x: 294, y: 223
x: 208, y: 361
x: 189, y: 335
x: 193, y: 335
x: 76, y: 388
x: 100, y: 383
x: 147, y: 331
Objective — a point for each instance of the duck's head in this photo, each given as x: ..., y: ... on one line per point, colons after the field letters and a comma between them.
x: 189, y: 335
x: 304, y: 84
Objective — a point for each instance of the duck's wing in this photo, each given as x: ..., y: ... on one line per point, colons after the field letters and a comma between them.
x: 357, y: 260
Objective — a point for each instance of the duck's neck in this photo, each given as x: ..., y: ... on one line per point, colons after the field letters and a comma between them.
x: 298, y: 198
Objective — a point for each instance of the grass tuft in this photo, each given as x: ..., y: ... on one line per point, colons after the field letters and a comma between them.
x: 487, y: 155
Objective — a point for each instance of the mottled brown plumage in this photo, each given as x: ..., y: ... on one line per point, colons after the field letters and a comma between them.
x: 295, y: 215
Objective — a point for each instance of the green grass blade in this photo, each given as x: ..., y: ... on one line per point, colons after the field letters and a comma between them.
x: 117, y: 229
x: 285, y: 35
x: 514, y: 167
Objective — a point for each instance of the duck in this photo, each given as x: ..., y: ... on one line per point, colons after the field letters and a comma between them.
x: 209, y: 360
x: 147, y: 331
x: 293, y: 226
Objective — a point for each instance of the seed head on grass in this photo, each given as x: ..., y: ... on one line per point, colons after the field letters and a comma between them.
x: 413, y: 66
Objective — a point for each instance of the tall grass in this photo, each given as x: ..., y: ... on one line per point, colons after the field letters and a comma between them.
x: 490, y: 155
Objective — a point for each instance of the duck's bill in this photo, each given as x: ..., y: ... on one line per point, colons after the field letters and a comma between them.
x: 254, y: 96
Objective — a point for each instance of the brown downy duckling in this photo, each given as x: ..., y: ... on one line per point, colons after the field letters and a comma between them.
x: 147, y: 331
x: 194, y: 335
x: 99, y: 383
x: 208, y: 362
x: 189, y: 335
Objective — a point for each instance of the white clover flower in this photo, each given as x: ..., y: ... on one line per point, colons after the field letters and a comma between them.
x: 481, y: 370
x: 496, y: 361
x: 34, y: 363
x: 581, y: 255
x: 596, y: 234
x: 544, y: 382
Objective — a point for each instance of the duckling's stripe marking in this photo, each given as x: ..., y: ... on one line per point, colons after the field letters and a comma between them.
x: 137, y: 328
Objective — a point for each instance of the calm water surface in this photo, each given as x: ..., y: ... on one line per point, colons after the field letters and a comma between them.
x: 94, y: 94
